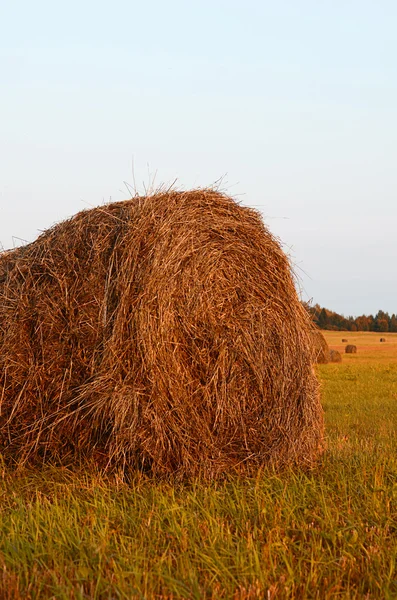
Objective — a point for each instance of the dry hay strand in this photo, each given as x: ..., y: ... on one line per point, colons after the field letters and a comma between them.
x: 335, y: 356
x: 160, y: 333
x: 351, y: 349
x: 321, y: 348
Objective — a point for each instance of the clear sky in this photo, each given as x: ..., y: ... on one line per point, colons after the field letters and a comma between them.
x: 292, y: 102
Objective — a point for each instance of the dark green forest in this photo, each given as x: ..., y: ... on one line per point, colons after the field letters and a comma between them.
x: 327, y: 319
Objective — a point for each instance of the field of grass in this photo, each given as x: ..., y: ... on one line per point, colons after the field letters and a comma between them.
x: 329, y: 533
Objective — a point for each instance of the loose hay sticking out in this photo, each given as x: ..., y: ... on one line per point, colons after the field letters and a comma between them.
x: 351, y: 349
x: 163, y: 332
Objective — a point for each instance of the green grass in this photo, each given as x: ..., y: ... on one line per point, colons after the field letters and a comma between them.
x: 330, y: 533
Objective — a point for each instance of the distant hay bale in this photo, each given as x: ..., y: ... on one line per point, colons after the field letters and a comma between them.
x: 344, y: 340
x: 351, y: 349
x: 335, y: 356
x: 382, y: 339
x: 321, y: 348
x: 162, y: 333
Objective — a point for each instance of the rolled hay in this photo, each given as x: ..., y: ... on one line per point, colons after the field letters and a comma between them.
x: 321, y: 348
x: 335, y: 356
x: 161, y: 333
x: 382, y: 339
x: 351, y: 349
x: 344, y: 340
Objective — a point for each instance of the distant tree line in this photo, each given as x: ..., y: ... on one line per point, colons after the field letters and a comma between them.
x: 327, y: 319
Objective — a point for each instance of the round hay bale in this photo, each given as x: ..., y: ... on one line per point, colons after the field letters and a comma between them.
x: 161, y: 333
x: 344, y: 340
x: 382, y: 339
x: 335, y: 356
x: 351, y: 349
x: 321, y: 349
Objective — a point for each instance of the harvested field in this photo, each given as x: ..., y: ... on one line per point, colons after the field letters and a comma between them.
x: 368, y: 344
x: 162, y: 333
x: 327, y: 533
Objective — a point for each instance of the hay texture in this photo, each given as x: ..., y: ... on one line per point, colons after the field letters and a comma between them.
x: 321, y: 348
x: 163, y: 333
x: 335, y: 356
x: 351, y: 349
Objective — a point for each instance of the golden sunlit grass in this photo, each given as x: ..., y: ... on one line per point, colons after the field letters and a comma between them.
x: 328, y: 533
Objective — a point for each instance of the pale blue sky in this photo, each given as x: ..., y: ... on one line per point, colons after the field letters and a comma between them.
x: 293, y: 102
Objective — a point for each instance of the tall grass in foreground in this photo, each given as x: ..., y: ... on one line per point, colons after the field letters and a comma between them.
x: 329, y: 533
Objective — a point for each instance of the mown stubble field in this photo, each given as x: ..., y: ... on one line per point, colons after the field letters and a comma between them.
x: 328, y: 533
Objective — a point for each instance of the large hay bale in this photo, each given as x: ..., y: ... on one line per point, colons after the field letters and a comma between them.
x: 162, y: 332
x: 321, y: 347
x: 335, y: 356
x: 351, y: 349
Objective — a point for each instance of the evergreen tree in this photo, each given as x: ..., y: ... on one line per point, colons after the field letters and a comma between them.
x: 393, y: 324
x: 323, y: 319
